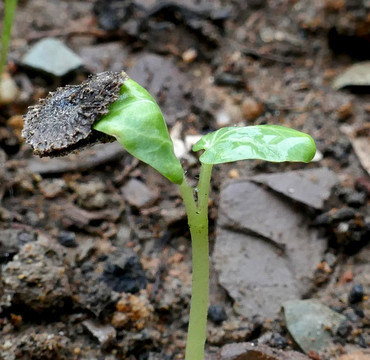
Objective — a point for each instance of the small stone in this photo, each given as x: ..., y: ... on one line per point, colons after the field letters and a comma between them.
x: 67, y: 239
x: 91, y: 195
x: 53, y: 57
x: 9, y: 90
x: 251, y: 109
x: 335, y: 216
x: 311, y: 324
x: 52, y: 188
x: 345, y: 111
x: 273, y: 339
x: 217, y: 313
x: 234, y: 174
x: 105, y: 334
x: 227, y: 79
x: 189, y: 55
x: 356, y: 294
x: 222, y: 118
x: 138, y: 194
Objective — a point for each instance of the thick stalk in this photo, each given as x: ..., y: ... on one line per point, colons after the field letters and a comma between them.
x: 198, y: 224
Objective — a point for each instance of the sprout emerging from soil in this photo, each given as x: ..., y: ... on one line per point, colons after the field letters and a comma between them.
x: 117, y: 106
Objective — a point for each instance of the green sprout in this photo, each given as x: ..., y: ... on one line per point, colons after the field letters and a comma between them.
x: 10, y: 6
x: 136, y: 121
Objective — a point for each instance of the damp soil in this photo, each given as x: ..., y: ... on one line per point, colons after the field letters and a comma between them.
x: 95, y: 256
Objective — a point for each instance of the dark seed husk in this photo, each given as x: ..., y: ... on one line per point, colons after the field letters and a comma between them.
x: 62, y: 122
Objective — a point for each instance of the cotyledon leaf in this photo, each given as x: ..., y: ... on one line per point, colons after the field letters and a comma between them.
x: 265, y: 142
x: 136, y: 121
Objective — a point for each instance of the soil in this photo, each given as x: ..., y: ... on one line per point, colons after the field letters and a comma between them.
x: 89, y: 271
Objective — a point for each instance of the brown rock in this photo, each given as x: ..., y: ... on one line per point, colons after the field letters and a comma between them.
x: 345, y: 111
x: 251, y: 109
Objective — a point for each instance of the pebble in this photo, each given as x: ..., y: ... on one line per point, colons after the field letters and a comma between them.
x: 52, y: 188
x: 227, y: 79
x: 251, y: 109
x: 356, y: 294
x: 9, y: 90
x: 105, y: 334
x: 138, y: 194
x: 345, y: 111
x: 217, y: 313
x: 222, y: 118
x: 91, y: 195
x: 67, y: 239
x: 335, y: 216
x: 189, y: 55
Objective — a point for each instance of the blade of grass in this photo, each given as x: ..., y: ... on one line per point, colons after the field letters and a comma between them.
x: 10, y: 6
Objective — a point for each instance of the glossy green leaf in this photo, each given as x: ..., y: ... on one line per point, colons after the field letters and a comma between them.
x: 136, y: 121
x: 265, y: 142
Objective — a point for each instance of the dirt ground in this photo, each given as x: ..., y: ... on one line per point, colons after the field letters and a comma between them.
x: 94, y: 249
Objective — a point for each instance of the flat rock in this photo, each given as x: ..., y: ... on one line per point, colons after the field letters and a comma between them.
x: 265, y: 253
x: 103, y: 57
x: 53, y: 57
x: 311, y: 324
x: 310, y: 187
x: 162, y: 78
x: 250, y: 351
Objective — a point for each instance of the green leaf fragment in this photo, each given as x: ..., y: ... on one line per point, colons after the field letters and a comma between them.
x: 136, y: 121
x: 264, y: 142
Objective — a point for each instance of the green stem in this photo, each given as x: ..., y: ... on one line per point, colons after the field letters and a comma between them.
x: 10, y: 6
x: 198, y: 224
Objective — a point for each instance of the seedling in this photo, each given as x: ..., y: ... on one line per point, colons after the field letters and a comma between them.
x: 136, y: 121
x: 10, y: 6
